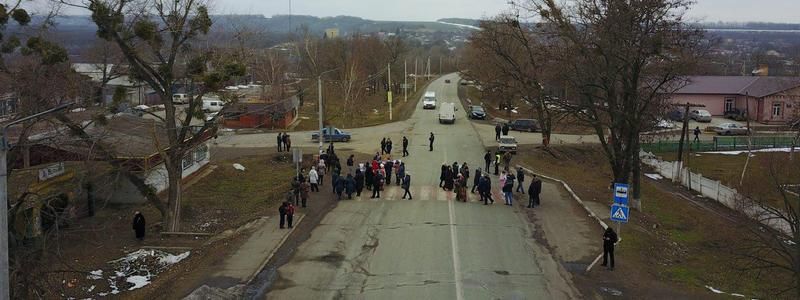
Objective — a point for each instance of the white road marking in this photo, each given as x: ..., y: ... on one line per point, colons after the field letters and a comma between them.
x: 456, y: 259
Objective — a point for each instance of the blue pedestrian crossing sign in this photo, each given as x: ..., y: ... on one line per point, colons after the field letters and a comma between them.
x: 621, y: 193
x: 620, y: 213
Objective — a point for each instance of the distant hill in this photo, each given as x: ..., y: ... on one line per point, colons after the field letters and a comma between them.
x: 345, y: 24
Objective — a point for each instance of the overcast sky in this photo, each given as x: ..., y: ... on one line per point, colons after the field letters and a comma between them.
x: 787, y: 11
x: 779, y: 11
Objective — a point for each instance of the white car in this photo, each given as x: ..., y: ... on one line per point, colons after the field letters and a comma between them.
x: 507, y: 143
x: 429, y: 100
x: 731, y: 129
x: 664, y: 124
x: 700, y: 115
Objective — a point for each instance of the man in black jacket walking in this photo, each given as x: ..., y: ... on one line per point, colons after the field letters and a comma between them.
x: 497, y: 129
x: 487, y: 159
x: 520, y: 178
x: 476, y: 180
x: 405, y: 146
x: 430, y: 146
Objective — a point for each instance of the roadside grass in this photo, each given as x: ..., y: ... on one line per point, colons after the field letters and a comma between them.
x: 671, y: 240
x: 228, y: 197
x: 564, y: 125
x: 764, y: 171
x: 370, y: 110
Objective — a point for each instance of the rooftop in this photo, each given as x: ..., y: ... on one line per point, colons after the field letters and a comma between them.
x: 756, y: 86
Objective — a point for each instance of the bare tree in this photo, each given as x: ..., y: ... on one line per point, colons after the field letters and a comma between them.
x: 506, y: 55
x: 106, y: 61
x: 623, y: 59
x: 155, y: 39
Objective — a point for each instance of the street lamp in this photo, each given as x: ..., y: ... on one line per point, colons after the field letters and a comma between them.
x: 319, y: 93
x: 4, y: 280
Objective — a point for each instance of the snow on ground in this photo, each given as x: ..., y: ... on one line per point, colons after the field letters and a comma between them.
x: 654, y: 176
x: 737, y: 152
x: 135, y: 270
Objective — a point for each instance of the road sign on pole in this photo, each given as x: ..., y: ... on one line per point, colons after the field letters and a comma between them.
x: 621, y: 193
x: 620, y: 213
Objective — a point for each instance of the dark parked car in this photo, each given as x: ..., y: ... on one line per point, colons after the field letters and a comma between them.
x: 529, y: 125
x: 447, y: 81
x: 675, y: 115
x: 477, y: 112
x: 736, y: 114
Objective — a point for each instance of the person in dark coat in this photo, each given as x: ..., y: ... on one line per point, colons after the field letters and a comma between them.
x: 351, y: 160
x: 287, y: 142
x: 289, y: 214
x: 334, y: 180
x: 476, y: 181
x: 520, y: 178
x: 401, y: 172
x: 376, y: 189
x: 350, y: 186
x: 487, y: 189
x: 464, y: 171
x: 305, y: 188
x: 389, y: 146
x: 455, y: 169
x: 405, y: 146
x: 442, y: 175
x: 533, y: 192
x: 139, y: 225
x: 487, y: 159
x: 282, y: 212
x: 496, y: 162
x: 340, y: 184
x: 388, y: 167
x: 505, y: 129
x: 280, y: 142
x: 449, y: 179
x: 383, y: 146
x: 483, y: 185
x: 609, y: 240
x: 497, y: 130
x: 406, y: 185
x: 430, y: 139
x: 369, y: 176
x: 359, y: 179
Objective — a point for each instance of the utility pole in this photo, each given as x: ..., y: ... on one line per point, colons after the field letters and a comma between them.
x: 4, y: 147
x: 415, y: 74
x: 440, y: 65
x: 428, y: 69
x: 405, y: 81
x: 319, y: 93
x: 749, y: 136
x: 684, y: 136
x: 389, y: 90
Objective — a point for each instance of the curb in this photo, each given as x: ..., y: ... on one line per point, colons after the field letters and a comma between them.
x: 274, y: 250
x: 578, y: 199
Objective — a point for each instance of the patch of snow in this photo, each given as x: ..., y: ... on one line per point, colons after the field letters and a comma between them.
x: 173, y: 259
x: 375, y: 111
x: 737, y: 152
x: 95, y: 275
x: 138, y: 281
x: 789, y: 242
x: 737, y: 295
x: 654, y: 176
x: 514, y: 111
x: 460, y: 25
x: 91, y: 288
x: 79, y: 109
x: 238, y: 167
x: 716, y: 291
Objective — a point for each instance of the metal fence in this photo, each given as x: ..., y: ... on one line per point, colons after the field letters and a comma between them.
x: 721, y: 143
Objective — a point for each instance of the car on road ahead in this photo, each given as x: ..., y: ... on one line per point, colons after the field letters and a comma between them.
x: 700, y: 115
x: 332, y: 134
x: 507, y: 143
x: 429, y: 100
x: 675, y: 115
x: 529, y: 125
x: 447, y: 81
x: 477, y: 112
x: 731, y: 129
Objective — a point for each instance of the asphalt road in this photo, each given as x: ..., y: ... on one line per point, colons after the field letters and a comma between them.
x: 428, y: 248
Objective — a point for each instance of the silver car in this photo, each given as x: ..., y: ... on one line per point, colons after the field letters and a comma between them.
x: 700, y: 115
x: 731, y: 129
x: 507, y: 143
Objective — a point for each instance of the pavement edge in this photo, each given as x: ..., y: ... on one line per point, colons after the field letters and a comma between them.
x: 273, y: 251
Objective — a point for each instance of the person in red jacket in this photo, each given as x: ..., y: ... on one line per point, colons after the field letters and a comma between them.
x: 289, y: 214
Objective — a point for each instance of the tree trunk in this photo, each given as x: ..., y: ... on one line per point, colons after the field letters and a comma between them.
x: 174, y: 176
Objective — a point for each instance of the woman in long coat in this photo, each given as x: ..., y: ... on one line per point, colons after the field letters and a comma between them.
x: 448, y: 179
x: 368, y: 177
x: 442, y: 175
x: 461, y: 188
x: 359, y: 182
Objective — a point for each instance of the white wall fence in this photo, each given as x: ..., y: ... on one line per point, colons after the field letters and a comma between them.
x: 714, y: 189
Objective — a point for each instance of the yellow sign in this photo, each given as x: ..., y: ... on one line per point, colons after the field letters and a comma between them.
x: 389, y: 95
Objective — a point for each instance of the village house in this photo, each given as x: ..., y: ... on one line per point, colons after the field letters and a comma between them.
x: 769, y: 99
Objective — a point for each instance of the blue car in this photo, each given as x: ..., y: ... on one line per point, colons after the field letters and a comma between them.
x: 332, y: 134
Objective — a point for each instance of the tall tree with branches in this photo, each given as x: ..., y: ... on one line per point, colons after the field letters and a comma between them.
x: 155, y: 37
x: 623, y: 58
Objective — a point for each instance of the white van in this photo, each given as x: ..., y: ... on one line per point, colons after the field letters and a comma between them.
x: 447, y: 113
x: 212, y: 105
x: 429, y: 100
x: 180, y: 98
